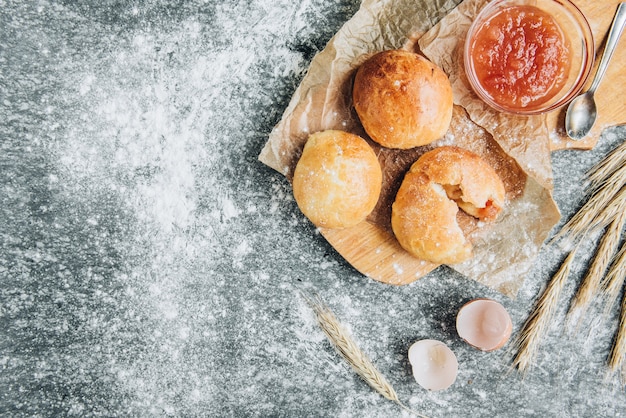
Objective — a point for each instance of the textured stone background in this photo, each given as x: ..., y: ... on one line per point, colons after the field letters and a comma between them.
x: 150, y: 266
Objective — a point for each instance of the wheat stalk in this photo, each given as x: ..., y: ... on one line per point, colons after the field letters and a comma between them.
x: 613, y: 284
x: 538, y: 322
x: 606, y: 180
x: 597, y: 212
x: 603, y: 177
x: 605, y: 206
x: 617, y: 355
x: 614, y: 279
x: 591, y: 284
x: 607, y: 195
x: 611, y: 167
x: 343, y: 343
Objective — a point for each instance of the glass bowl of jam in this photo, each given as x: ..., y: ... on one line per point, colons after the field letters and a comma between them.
x: 528, y: 56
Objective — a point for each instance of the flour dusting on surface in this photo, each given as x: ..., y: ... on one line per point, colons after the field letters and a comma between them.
x: 151, y: 266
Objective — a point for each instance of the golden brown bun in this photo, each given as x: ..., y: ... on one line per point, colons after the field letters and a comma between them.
x: 423, y: 216
x: 337, y: 180
x: 402, y: 99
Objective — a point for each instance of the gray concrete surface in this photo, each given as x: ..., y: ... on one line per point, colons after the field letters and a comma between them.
x: 150, y: 265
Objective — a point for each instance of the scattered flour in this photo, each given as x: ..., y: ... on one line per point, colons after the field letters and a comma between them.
x: 150, y: 265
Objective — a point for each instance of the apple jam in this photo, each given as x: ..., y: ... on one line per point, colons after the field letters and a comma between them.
x: 520, y: 57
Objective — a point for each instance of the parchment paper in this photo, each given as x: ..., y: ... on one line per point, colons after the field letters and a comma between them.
x: 525, y: 138
x: 517, y: 147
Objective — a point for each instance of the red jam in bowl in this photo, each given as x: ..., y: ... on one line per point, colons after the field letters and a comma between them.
x: 520, y: 57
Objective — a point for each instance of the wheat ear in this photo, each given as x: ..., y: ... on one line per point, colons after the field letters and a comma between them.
x: 613, y: 283
x: 597, y: 212
x: 343, y: 343
x: 614, y: 279
x: 591, y: 284
x: 618, y: 350
x: 607, y: 193
x: 611, y: 167
x: 538, y: 322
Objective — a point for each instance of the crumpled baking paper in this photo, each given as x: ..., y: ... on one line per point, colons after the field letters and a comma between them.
x: 517, y: 147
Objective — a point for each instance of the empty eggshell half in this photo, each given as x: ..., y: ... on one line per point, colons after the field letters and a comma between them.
x: 434, y: 365
x: 484, y: 324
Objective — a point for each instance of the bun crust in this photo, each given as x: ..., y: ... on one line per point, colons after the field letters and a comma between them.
x: 424, y: 213
x: 402, y: 99
x: 337, y: 180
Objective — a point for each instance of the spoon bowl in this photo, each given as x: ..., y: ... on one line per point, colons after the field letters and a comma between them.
x: 581, y: 115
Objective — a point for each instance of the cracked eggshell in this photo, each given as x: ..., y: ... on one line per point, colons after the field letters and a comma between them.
x: 484, y: 324
x: 435, y: 366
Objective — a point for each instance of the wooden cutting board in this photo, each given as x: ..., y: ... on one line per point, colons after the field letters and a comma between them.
x: 375, y: 252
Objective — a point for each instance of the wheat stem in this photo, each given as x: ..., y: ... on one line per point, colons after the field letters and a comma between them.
x: 607, y: 195
x: 538, y: 322
x: 618, y: 350
x: 591, y: 284
x: 614, y: 279
x: 611, y: 167
x: 605, y: 206
x: 599, y: 179
x: 343, y: 343
x: 597, y: 212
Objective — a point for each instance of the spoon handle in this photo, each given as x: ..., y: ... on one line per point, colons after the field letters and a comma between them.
x: 614, y: 33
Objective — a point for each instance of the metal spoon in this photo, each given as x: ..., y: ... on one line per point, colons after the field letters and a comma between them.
x: 581, y: 112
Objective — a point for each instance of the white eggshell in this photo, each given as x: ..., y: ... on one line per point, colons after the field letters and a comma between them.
x: 434, y: 365
x: 484, y: 324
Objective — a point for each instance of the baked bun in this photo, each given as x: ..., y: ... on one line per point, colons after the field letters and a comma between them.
x: 337, y: 180
x: 424, y: 213
x: 402, y: 99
